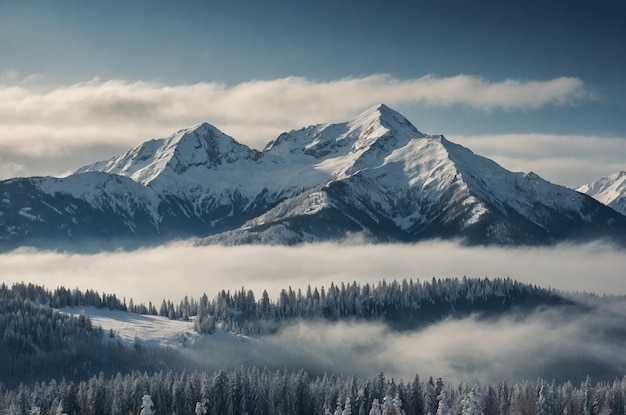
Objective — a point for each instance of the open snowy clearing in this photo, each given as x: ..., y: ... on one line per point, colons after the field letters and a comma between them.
x: 150, y: 330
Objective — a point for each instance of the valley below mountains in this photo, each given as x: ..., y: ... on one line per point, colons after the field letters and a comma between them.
x: 376, y: 178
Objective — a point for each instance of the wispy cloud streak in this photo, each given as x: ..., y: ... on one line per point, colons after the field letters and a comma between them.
x: 36, y: 120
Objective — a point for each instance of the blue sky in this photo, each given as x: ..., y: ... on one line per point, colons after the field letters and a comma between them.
x: 534, y: 85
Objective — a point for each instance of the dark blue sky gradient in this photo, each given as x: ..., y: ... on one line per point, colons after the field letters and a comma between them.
x: 234, y: 41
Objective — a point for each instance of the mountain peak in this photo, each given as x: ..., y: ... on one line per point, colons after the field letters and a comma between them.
x: 379, y: 109
x: 206, y: 146
x: 387, y: 118
x: 202, y: 145
x: 378, y: 124
x: 610, y: 190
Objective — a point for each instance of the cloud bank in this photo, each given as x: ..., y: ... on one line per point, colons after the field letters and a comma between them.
x: 105, y: 117
x: 552, y: 344
x: 554, y: 157
x: 176, y: 270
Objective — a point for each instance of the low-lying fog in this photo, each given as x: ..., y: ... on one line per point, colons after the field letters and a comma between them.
x: 549, y: 344
x: 180, y: 269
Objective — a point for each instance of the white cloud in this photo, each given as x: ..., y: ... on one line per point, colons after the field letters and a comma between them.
x: 510, y: 348
x: 570, y: 160
x: 36, y: 121
x: 50, y: 130
x: 11, y: 169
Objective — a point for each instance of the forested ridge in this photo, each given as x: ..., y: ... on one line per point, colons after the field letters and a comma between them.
x: 405, y: 304
x: 52, y: 362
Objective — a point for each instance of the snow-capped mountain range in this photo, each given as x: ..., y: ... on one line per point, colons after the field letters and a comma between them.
x: 375, y: 176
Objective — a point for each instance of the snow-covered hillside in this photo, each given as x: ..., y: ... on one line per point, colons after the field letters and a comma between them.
x: 148, y: 330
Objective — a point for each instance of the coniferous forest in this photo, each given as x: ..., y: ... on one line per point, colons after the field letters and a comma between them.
x: 56, y: 363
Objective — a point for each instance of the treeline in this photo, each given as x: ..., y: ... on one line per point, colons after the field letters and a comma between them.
x: 407, y: 304
x: 29, y: 326
x: 63, y: 297
x: 261, y: 391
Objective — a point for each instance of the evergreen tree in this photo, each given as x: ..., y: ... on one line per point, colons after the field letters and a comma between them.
x: 490, y: 402
x: 430, y: 397
x: 375, y: 408
x: 347, y: 408
x: 471, y: 404
x: 546, y: 404
x: 504, y: 399
x: 338, y: 409
x: 587, y: 397
x: 146, y: 405
x: 416, y: 398
x: 443, y: 407
x: 397, y: 405
x: 163, y: 312
x: 388, y: 406
x: 70, y: 401
x: 200, y: 408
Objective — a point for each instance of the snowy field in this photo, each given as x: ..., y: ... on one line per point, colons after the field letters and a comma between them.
x: 150, y: 330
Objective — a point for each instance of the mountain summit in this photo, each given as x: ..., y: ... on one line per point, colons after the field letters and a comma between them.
x: 609, y: 190
x: 376, y: 176
x: 188, y: 152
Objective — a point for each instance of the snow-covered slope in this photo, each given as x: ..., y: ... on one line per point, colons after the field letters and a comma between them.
x: 376, y: 176
x: 342, y: 149
x: 186, y: 154
x: 391, y: 182
x: 202, y: 174
x: 82, y: 211
x: 149, y: 330
x: 609, y: 190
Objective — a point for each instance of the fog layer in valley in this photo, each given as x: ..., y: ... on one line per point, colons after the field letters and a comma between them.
x: 549, y: 343
x: 555, y: 344
x: 176, y: 270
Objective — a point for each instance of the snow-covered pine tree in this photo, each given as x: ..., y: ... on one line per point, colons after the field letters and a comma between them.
x: 397, y: 404
x: 388, y: 406
x: 471, y: 404
x: 443, y: 408
x: 430, y: 397
x: 338, y: 410
x: 375, y: 408
x: 200, y: 408
x: 347, y: 408
x: 546, y: 404
x: 146, y: 405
